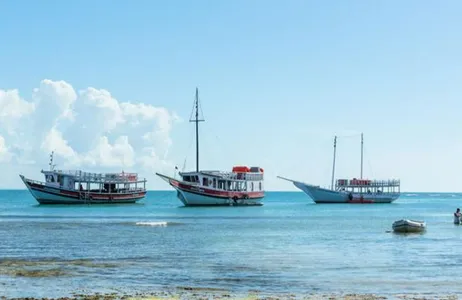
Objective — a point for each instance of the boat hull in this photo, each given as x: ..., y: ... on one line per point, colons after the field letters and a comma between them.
x: 408, y: 226
x: 191, y: 195
x: 197, y: 199
x: 50, y: 195
x: 320, y: 195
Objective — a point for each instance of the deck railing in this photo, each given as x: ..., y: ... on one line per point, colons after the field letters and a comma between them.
x: 235, y: 176
x: 101, y: 177
x: 124, y: 190
x: 369, y: 183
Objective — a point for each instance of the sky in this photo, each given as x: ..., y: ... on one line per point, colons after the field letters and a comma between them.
x: 110, y: 85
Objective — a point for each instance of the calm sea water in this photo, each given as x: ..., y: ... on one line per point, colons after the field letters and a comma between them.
x: 287, y: 245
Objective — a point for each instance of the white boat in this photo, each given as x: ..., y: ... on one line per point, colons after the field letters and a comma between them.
x: 409, y: 226
x: 241, y: 186
x: 352, y: 191
x: 79, y: 187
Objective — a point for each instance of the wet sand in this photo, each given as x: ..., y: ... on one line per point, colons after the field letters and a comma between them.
x: 186, y: 293
x: 46, y: 268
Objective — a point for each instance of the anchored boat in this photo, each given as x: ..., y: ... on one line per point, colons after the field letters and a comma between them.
x: 409, y: 226
x: 78, y: 187
x: 242, y: 186
x: 354, y: 190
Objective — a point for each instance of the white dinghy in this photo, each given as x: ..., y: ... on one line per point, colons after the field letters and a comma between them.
x: 409, y: 226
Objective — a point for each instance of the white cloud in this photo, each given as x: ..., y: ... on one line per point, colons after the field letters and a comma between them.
x: 5, y: 155
x: 120, y: 154
x: 13, y: 108
x: 89, y: 129
x: 101, y: 105
x: 54, y: 141
x: 55, y: 98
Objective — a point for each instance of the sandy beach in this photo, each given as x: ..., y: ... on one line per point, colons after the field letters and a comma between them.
x: 190, y: 293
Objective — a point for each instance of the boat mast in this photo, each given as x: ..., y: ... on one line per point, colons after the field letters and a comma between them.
x: 362, y: 146
x: 197, y: 120
x: 333, y: 167
x: 51, y: 161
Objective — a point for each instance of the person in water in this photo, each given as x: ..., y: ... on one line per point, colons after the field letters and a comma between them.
x: 457, y: 216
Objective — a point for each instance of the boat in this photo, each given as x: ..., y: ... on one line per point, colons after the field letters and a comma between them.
x: 79, y: 187
x: 241, y: 186
x: 351, y: 191
x: 409, y: 226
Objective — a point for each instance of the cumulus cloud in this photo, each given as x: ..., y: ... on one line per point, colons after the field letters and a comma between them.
x: 5, y: 155
x: 121, y: 153
x: 88, y: 128
x: 12, y: 109
x: 54, y: 141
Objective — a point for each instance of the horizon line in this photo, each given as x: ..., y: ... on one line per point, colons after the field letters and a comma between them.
x: 277, y: 191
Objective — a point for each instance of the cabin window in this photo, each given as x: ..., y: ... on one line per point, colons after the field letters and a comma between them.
x: 221, y: 184
x: 205, y: 181
x: 259, y: 185
x: 251, y: 186
x: 187, y: 178
x: 228, y: 186
x: 214, y: 183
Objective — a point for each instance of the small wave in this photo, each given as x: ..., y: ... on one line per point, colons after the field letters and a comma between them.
x: 163, y: 224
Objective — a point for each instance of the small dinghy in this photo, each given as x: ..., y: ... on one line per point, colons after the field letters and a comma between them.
x: 408, y: 226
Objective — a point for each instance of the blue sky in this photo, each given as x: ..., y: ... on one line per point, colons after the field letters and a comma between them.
x: 277, y: 80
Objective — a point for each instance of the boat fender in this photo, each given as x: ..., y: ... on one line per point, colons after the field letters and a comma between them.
x: 350, y: 196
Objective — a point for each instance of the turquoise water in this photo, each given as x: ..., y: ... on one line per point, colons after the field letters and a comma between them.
x: 287, y: 245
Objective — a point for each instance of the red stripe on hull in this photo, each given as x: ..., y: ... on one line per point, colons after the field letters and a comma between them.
x: 96, y: 196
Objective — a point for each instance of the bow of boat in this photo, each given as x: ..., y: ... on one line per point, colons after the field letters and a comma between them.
x: 170, y: 180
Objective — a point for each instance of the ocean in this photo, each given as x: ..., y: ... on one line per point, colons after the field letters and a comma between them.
x: 289, y: 244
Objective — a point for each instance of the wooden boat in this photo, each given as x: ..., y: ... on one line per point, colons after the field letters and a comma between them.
x: 355, y: 190
x: 79, y: 187
x: 242, y: 185
x: 409, y: 226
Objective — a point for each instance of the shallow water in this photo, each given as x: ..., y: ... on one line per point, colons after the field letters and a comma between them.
x: 288, y: 245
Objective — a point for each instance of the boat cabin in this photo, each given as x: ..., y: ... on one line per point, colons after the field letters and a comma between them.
x: 366, y: 186
x: 241, y: 178
x: 94, y: 182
